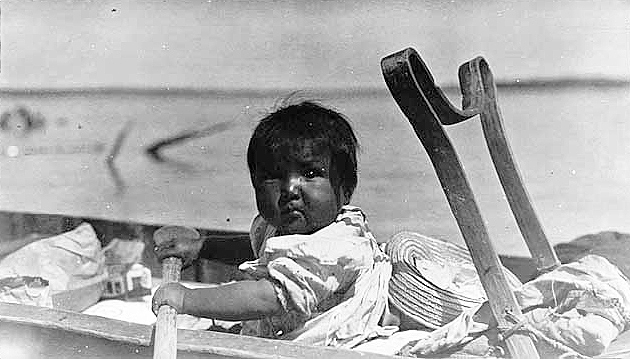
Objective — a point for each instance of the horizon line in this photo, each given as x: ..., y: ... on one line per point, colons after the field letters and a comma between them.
x: 516, y: 84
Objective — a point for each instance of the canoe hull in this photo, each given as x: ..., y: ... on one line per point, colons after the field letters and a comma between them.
x: 31, y: 342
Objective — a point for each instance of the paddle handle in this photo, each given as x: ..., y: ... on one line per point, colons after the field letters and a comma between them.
x: 165, y: 343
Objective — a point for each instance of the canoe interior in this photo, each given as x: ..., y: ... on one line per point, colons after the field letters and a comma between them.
x: 31, y: 332
x: 224, y: 249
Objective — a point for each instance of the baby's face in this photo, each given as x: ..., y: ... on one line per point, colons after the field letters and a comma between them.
x: 295, y: 193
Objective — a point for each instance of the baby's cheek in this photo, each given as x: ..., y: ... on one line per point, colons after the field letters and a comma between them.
x: 267, y: 206
x: 324, y: 213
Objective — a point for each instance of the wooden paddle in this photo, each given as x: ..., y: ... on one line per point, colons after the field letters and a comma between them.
x: 165, y: 340
x: 412, y: 86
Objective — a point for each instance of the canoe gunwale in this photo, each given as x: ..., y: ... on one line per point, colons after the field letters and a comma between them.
x: 197, y: 341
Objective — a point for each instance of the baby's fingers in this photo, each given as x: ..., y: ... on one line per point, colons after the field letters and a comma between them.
x: 187, y: 251
x: 171, y: 294
x: 158, y: 300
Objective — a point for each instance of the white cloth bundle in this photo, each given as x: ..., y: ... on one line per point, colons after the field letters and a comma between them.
x: 581, y: 306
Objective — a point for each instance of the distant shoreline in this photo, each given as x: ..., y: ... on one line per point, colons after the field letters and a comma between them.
x: 557, y: 83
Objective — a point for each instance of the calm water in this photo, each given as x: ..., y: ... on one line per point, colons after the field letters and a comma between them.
x: 571, y: 144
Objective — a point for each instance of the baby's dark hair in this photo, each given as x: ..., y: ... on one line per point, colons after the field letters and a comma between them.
x: 294, y: 124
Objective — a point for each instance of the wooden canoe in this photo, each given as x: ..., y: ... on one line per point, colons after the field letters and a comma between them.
x: 29, y: 332
x: 33, y: 332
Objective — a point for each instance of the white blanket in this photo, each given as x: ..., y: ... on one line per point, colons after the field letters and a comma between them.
x: 579, y: 308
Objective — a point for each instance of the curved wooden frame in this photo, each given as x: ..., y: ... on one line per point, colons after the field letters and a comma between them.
x: 479, y: 93
x: 427, y: 109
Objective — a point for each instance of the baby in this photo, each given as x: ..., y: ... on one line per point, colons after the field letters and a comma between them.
x: 320, y: 277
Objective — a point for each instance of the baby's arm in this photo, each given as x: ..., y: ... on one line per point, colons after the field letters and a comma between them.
x: 244, y: 300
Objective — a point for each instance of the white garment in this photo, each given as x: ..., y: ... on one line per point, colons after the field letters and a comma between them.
x: 332, y: 284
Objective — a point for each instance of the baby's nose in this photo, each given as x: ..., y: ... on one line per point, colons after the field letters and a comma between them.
x: 293, y: 185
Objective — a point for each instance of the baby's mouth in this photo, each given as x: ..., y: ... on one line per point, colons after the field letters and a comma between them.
x: 292, y: 218
x: 291, y: 214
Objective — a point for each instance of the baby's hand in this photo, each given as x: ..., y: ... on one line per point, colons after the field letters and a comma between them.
x: 171, y: 294
x: 188, y: 251
x: 179, y: 242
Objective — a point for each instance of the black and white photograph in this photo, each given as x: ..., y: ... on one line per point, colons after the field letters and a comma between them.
x: 309, y: 179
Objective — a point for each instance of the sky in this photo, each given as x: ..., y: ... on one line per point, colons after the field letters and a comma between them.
x: 298, y: 44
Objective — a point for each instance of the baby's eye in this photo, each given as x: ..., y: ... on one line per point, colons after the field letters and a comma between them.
x: 315, y: 172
